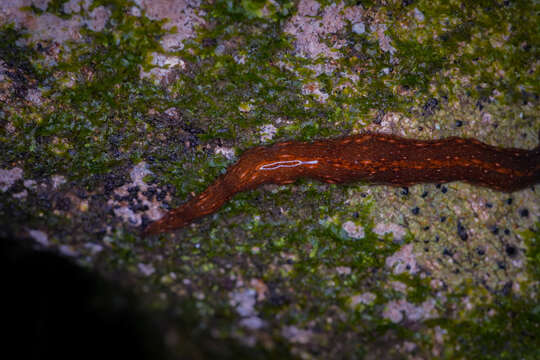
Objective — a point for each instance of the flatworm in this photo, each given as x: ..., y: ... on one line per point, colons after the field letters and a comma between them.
x: 368, y: 157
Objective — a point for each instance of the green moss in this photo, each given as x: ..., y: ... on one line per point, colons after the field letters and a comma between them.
x: 505, y: 329
x: 251, y: 9
x: 491, y: 45
x: 532, y: 241
x: 96, y: 122
x: 419, y: 287
x: 19, y: 58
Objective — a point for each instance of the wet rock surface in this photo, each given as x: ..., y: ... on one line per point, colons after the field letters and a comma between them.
x: 114, y: 113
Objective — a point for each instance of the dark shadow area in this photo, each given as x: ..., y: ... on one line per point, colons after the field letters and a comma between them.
x: 55, y: 309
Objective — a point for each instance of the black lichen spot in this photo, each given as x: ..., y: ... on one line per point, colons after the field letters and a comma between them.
x: 443, y: 218
x: 511, y: 250
x: 113, y: 181
x: 524, y: 212
x: 138, y: 207
x: 133, y: 191
x: 424, y: 194
x: 459, y: 123
x: 489, y: 205
x: 506, y: 232
x: 150, y: 193
x: 415, y: 210
x: 162, y: 194
x: 444, y: 190
x: 494, y: 230
x: 479, y: 104
x: 509, y: 201
x: 405, y: 191
x: 462, y: 232
x: 430, y: 107
x: 480, y: 251
x: 447, y: 252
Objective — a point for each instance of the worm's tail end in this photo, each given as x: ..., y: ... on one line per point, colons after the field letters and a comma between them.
x: 172, y: 220
x: 208, y: 202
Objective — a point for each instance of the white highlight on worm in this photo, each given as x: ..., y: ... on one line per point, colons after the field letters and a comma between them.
x: 287, y: 163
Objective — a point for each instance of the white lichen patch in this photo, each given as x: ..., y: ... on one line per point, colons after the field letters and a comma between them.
x: 384, y: 40
x: 30, y: 184
x: 57, y: 181
x: 34, y: 96
x: 76, y: 6
x: 343, y: 270
x: 21, y: 195
x: 39, y: 236
x: 399, y: 310
x: 252, y: 322
x: 68, y: 250
x: 98, y: 18
x: 227, y: 152
x: 391, y: 122
x: 267, y: 132
x: 403, y: 260
x: 164, y: 66
x: 93, y: 248
x: 311, y: 25
x: 9, y: 177
x: 296, y: 335
x: 243, y: 301
x: 366, y: 298
x: 128, y: 215
x: 398, y: 286
x: 397, y: 231
x: 50, y: 27
x: 183, y: 15
x: 354, y: 231
x: 138, y: 173
x: 359, y: 28
x: 146, y: 269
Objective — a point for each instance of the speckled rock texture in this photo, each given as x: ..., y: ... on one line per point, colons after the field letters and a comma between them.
x: 114, y: 112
